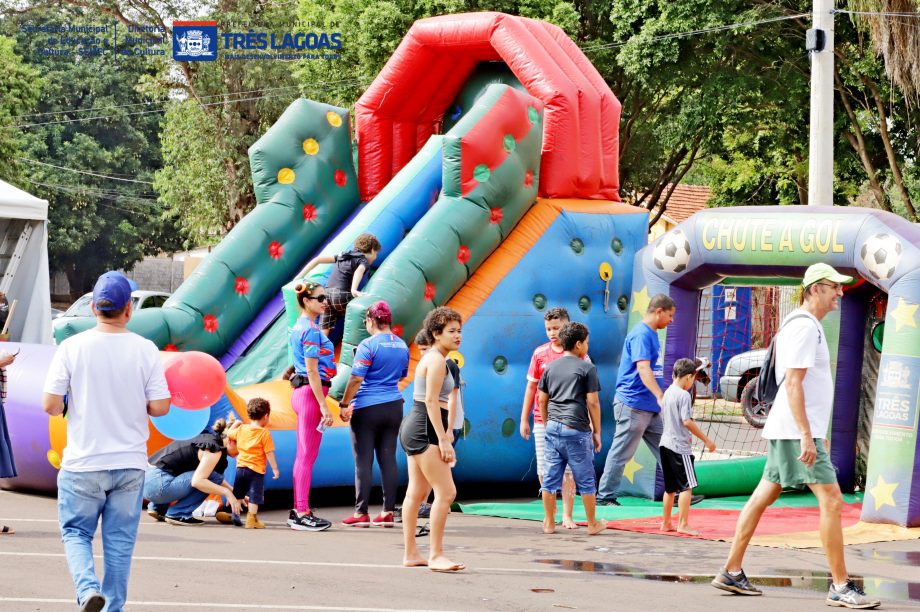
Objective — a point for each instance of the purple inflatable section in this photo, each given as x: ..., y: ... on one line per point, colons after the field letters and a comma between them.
x: 27, y: 422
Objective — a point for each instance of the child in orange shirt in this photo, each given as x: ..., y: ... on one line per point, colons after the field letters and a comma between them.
x: 255, y: 446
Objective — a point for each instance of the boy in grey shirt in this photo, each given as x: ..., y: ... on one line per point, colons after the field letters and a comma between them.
x: 572, y: 413
x: 676, y: 450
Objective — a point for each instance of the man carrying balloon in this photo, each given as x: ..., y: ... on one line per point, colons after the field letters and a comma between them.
x: 114, y: 379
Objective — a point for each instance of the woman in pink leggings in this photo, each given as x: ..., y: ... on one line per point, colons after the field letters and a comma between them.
x: 314, y: 367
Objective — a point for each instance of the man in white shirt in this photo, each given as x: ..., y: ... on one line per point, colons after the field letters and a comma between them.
x: 113, y: 380
x: 796, y: 431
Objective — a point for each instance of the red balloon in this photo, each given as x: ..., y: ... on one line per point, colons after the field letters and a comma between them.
x: 195, y: 379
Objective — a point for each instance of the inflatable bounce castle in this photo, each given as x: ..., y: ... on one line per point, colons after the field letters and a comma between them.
x: 487, y: 151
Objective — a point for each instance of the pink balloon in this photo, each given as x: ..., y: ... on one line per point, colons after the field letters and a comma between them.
x: 196, y: 380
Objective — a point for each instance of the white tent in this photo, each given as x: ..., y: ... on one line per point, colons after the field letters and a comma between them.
x: 24, y: 264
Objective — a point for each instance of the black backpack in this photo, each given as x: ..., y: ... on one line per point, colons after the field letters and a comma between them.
x: 767, y: 386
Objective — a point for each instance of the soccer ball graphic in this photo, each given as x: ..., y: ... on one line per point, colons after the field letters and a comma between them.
x: 672, y: 254
x: 880, y: 254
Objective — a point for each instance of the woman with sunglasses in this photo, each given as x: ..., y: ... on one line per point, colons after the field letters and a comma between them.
x: 427, y: 440
x: 374, y: 407
x: 314, y: 367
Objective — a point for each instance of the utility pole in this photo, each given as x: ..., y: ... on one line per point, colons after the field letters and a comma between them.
x: 820, y: 44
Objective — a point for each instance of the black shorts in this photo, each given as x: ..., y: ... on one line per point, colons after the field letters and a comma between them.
x: 678, y: 471
x: 251, y: 483
x: 337, y: 300
x: 417, y: 433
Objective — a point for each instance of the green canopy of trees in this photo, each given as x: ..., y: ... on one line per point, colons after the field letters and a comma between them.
x: 713, y: 92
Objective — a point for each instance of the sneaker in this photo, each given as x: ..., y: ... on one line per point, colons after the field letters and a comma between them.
x: 424, y: 511
x: 228, y: 518
x: 608, y: 502
x: 739, y: 584
x: 307, y: 522
x: 184, y: 521
x: 384, y: 519
x: 154, y: 513
x: 397, y: 514
x: 94, y: 603
x: 357, y: 521
x: 850, y: 596
x: 695, y: 499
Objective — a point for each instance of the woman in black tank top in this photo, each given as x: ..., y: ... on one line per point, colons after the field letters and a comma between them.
x: 183, y: 473
x: 429, y: 466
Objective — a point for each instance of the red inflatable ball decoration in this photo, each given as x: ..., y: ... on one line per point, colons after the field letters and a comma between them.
x: 196, y: 380
x: 309, y: 212
x: 340, y: 178
x: 275, y: 250
x: 463, y: 254
x: 398, y: 329
x: 171, y: 348
x: 528, y: 179
x: 496, y: 216
x: 241, y: 286
x: 211, y: 323
x: 429, y: 291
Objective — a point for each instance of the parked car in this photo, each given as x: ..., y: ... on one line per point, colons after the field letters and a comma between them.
x: 81, y: 308
x: 738, y: 382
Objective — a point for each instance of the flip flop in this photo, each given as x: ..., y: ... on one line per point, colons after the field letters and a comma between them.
x: 6, y: 531
x: 423, y: 530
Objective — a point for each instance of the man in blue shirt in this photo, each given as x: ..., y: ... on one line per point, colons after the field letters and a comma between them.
x: 640, y: 383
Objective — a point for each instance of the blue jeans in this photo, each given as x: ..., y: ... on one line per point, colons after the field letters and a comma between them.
x: 632, y: 427
x: 83, y: 497
x: 566, y: 446
x: 162, y: 488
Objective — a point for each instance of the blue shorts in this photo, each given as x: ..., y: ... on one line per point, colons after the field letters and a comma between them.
x: 567, y: 446
x: 251, y: 483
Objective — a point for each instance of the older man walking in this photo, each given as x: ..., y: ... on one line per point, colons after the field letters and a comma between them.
x: 113, y: 379
x: 796, y: 431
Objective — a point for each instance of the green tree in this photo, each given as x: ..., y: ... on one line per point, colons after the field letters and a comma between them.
x: 20, y: 86
x: 92, y: 153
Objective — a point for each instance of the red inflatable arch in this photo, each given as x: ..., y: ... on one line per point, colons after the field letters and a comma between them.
x: 405, y: 103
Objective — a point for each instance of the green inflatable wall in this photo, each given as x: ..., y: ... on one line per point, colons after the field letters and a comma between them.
x: 491, y: 161
x: 305, y: 186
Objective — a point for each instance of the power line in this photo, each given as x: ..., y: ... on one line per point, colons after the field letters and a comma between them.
x: 105, y: 176
x: 148, y: 103
x: 722, y: 28
x: 875, y: 14
x: 162, y: 110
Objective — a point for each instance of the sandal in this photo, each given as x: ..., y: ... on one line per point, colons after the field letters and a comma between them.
x: 423, y: 530
x: 6, y: 530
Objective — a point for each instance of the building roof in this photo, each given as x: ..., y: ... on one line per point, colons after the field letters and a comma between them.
x: 686, y: 200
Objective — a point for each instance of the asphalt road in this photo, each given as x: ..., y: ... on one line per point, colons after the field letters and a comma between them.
x: 511, y: 566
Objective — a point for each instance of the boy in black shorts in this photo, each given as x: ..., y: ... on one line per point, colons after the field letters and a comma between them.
x: 676, y: 445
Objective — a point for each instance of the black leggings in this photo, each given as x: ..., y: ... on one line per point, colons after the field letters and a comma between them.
x: 375, y: 429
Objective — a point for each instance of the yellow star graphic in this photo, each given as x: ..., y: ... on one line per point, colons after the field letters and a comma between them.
x: 640, y: 301
x: 904, y: 315
x: 883, y: 492
x: 630, y: 469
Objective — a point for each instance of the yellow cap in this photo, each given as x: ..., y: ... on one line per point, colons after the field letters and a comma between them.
x: 822, y: 271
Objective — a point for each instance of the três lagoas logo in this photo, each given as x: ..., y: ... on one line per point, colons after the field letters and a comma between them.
x: 200, y: 40
x: 252, y: 40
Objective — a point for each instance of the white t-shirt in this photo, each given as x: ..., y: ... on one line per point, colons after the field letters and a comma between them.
x: 109, y: 379
x: 800, y: 344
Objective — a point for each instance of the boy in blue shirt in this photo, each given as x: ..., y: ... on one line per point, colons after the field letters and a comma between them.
x: 636, y: 403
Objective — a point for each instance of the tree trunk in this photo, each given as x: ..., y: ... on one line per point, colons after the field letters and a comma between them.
x: 858, y: 142
x: 889, y: 151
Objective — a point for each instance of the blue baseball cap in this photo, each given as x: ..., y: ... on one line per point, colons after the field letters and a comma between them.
x: 113, y: 287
